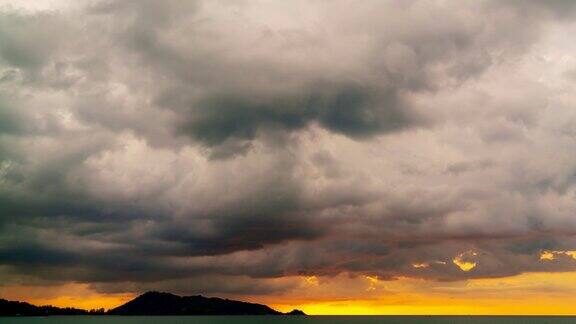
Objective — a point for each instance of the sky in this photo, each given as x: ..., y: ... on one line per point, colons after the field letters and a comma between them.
x: 341, y: 157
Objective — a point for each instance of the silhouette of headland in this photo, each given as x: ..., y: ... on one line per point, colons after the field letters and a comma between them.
x: 152, y: 303
x: 15, y: 308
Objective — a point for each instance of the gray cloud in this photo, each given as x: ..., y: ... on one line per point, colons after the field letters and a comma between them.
x: 169, y: 145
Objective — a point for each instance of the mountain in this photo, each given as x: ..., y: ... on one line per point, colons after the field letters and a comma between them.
x: 159, y: 303
x: 14, y: 308
x: 151, y: 303
x: 295, y: 312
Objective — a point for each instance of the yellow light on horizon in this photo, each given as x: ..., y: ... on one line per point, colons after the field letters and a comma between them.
x: 525, y: 294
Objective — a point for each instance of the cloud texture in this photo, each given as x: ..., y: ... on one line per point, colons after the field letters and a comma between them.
x: 219, y: 147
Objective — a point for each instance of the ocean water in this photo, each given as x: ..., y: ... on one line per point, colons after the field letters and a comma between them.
x: 287, y: 319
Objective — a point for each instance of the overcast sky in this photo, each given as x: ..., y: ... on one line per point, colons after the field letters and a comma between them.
x: 236, y: 147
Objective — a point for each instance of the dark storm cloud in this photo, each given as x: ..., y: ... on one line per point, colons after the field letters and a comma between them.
x: 346, y: 109
x: 29, y: 45
x: 223, y: 87
x: 25, y: 41
x: 238, y: 233
x: 208, y: 147
x: 563, y: 9
x: 9, y: 121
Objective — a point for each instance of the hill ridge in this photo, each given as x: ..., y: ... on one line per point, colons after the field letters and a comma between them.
x: 151, y: 303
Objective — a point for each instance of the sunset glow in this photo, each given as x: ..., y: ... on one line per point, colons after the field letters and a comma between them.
x: 331, y: 156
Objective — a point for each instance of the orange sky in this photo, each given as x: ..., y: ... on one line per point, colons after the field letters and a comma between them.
x: 532, y: 293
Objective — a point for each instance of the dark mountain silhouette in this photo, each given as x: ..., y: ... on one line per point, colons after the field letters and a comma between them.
x: 158, y: 303
x: 150, y: 303
x: 295, y: 312
x: 14, y: 308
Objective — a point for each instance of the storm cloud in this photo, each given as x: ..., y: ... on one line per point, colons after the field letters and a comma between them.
x: 175, y: 145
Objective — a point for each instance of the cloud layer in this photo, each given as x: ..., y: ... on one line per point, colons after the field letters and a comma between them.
x: 228, y: 147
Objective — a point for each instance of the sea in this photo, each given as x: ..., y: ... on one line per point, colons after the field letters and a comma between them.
x: 287, y: 319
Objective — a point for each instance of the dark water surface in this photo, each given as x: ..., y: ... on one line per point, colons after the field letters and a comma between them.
x: 286, y: 319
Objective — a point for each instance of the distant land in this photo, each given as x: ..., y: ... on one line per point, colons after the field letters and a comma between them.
x: 15, y: 308
x: 151, y: 303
